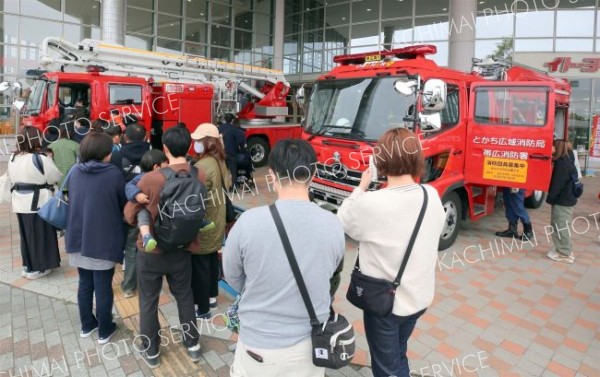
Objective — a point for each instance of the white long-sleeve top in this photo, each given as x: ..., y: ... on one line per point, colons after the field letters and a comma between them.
x: 22, y: 170
x: 382, y: 222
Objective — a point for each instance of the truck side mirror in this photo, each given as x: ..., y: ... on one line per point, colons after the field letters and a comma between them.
x: 300, y: 97
x: 434, y: 95
x: 430, y: 122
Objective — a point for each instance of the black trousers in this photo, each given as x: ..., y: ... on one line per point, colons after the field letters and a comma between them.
x: 232, y: 165
x: 177, y: 267
x: 205, y: 279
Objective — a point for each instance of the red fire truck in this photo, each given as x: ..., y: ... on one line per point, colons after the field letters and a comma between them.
x: 489, y: 128
x: 158, y: 89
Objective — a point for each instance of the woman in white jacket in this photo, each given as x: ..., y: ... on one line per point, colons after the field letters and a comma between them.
x: 33, y: 177
x: 382, y: 222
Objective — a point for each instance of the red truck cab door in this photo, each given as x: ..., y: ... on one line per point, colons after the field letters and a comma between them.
x: 510, y: 134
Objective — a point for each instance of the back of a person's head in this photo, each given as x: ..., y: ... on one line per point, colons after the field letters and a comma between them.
x: 177, y: 140
x: 135, y: 132
x: 229, y: 117
x: 100, y: 125
x: 29, y: 140
x: 67, y: 130
x: 95, y: 147
x: 561, y: 148
x: 113, y: 131
x: 293, y: 158
x: 399, y: 153
x: 151, y: 158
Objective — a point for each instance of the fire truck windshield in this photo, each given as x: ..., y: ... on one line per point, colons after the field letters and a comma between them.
x: 36, y: 97
x: 362, y: 108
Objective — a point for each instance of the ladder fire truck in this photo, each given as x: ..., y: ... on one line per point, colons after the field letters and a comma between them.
x: 158, y: 90
x: 490, y: 128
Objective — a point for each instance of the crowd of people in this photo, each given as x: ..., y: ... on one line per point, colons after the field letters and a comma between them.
x: 119, y: 189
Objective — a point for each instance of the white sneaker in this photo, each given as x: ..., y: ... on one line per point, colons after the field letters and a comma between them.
x: 37, y: 274
x: 24, y: 272
x: 555, y: 255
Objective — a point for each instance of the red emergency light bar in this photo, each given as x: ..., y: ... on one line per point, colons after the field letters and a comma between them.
x: 410, y: 52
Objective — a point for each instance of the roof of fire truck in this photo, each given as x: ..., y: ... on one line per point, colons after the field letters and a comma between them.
x: 59, y: 54
x: 412, y: 60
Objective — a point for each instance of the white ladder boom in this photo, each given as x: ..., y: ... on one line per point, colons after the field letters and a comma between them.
x: 158, y: 65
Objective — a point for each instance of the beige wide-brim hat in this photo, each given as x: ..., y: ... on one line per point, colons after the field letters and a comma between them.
x: 204, y: 130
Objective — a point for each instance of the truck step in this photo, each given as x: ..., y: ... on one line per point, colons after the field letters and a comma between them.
x: 477, y: 191
x: 479, y: 209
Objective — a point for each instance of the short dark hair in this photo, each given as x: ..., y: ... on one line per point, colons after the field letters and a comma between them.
x: 66, y: 130
x: 29, y: 140
x: 399, y: 153
x: 293, y: 158
x: 178, y: 140
x: 151, y: 158
x: 99, y: 125
x: 95, y: 147
x: 229, y: 117
x: 135, y: 132
x: 113, y: 131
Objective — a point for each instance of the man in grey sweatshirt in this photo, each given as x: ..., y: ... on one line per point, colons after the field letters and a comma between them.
x: 275, y: 330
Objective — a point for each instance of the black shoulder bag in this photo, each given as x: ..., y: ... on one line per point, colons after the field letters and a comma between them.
x: 333, y: 341
x: 375, y: 295
x: 229, y: 210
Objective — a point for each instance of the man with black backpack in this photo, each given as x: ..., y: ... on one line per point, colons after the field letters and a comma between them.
x: 176, y: 204
x: 132, y: 152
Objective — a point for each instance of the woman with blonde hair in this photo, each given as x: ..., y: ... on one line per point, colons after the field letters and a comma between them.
x: 208, y: 146
x: 563, y: 201
x: 383, y: 222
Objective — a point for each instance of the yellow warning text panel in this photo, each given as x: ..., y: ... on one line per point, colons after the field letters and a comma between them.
x: 503, y: 169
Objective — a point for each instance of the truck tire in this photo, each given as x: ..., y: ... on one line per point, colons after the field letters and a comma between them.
x: 259, y: 151
x: 453, y: 208
x: 535, y: 200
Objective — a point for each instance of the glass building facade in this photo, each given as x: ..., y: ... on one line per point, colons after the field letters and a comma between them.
x: 232, y: 30
x: 312, y: 32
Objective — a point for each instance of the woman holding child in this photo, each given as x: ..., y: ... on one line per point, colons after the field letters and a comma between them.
x: 205, y: 267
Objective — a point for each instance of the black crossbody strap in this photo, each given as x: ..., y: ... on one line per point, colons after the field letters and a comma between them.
x: 294, y: 265
x: 411, y: 243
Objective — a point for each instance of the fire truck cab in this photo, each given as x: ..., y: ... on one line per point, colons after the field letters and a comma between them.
x: 157, y: 90
x: 490, y: 128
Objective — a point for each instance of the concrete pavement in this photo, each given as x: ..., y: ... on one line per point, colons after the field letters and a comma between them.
x: 501, y: 309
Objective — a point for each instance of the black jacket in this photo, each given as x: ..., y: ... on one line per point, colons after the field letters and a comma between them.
x: 132, y: 156
x: 234, y: 139
x: 561, y: 184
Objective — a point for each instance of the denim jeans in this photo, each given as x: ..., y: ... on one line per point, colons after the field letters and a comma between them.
x: 98, y: 282
x: 129, y: 282
x: 387, y: 338
x: 515, y: 206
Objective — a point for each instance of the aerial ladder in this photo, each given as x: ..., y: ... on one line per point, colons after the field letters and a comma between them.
x: 227, y: 78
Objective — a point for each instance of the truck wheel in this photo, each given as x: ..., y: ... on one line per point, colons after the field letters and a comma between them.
x: 259, y: 151
x: 535, y: 200
x: 453, y: 208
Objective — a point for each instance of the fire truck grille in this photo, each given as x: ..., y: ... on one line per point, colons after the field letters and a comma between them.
x: 338, y: 173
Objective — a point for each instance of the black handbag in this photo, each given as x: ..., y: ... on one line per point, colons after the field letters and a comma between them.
x: 374, y: 295
x: 332, y: 341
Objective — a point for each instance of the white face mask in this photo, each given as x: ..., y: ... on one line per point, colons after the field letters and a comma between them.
x: 199, y: 147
